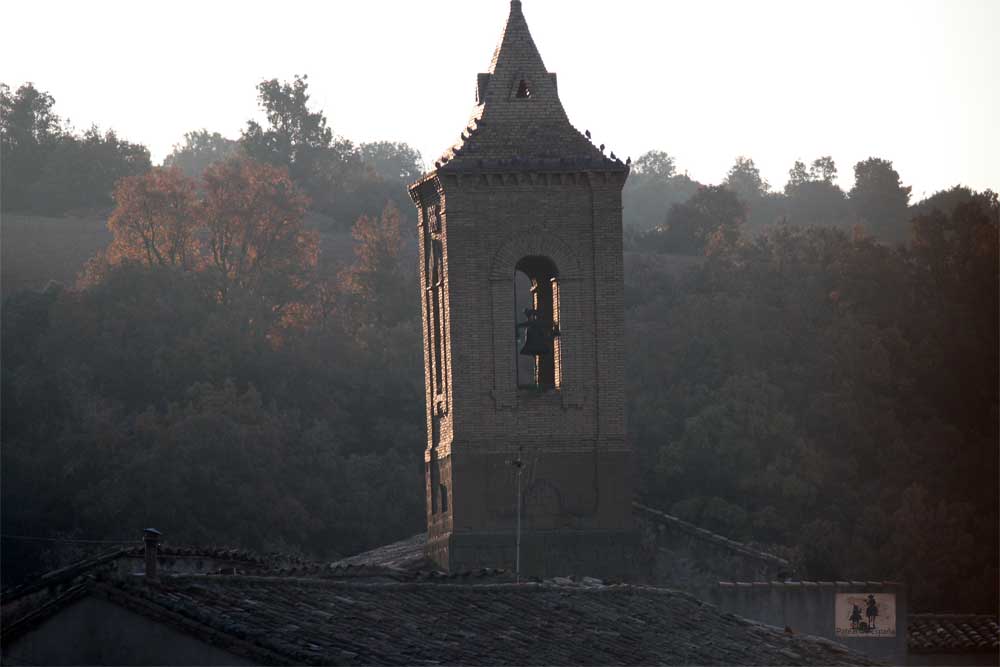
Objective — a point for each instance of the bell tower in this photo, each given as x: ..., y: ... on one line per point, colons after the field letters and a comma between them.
x: 520, y: 227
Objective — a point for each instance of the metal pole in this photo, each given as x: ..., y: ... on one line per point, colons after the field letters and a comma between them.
x: 517, y: 565
x: 518, y: 463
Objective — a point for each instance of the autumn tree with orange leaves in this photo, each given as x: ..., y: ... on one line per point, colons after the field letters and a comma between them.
x: 154, y: 221
x: 256, y: 242
x: 374, y: 283
x: 242, y: 226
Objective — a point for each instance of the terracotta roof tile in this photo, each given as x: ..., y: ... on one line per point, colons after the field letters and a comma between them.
x: 953, y: 633
x: 317, y: 621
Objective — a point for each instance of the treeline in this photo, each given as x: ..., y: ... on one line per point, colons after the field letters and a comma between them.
x: 793, y: 381
x: 222, y: 405
x: 831, y: 397
x: 672, y: 212
x: 51, y: 170
x: 213, y: 374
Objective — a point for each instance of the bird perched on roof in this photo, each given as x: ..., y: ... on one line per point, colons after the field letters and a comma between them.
x: 613, y: 156
x: 587, y: 133
x: 602, y: 148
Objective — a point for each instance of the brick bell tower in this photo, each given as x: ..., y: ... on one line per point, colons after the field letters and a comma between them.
x: 520, y: 227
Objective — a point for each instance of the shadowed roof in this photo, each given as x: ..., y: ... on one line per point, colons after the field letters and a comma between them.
x: 317, y: 621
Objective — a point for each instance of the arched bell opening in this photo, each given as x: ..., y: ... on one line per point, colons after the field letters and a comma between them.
x: 536, y: 317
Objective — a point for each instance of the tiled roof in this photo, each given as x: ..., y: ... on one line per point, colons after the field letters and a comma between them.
x: 954, y: 633
x: 406, y: 554
x: 656, y: 516
x: 789, y: 584
x: 381, y: 608
x: 323, y: 621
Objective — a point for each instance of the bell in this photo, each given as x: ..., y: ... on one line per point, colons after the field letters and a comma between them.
x: 537, y: 335
x: 536, y: 339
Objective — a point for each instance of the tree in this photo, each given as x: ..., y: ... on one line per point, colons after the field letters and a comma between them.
x: 28, y: 128
x: 81, y: 172
x: 879, y: 200
x: 745, y: 180
x: 657, y: 164
x: 257, y: 246
x: 713, y: 214
x: 295, y: 137
x: 763, y: 208
x: 378, y: 172
x: 49, y: 170
x: 652, y: 188
x: 797, y: 175
x: 376, y: 285
x: 154, y: 221
x: 812, y: 198
x: 391, y: 161
x: 27, y: 117
x: 199, y: 151
x: 329, y: 169
x: 823, y: 169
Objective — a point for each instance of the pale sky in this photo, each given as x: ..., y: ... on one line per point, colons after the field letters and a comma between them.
x: 913, y: 81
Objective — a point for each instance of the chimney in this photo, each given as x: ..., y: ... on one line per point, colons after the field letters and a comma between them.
x: 151, y: 540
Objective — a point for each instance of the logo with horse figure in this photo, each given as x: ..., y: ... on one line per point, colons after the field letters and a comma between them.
x: 866, y: 615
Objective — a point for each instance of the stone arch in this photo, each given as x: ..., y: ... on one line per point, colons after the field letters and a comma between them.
x: 535, y: 242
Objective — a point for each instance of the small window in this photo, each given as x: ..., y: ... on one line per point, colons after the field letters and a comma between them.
x: 523, y: 90
x: 444, y: 497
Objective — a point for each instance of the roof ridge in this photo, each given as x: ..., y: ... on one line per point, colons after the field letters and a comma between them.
x: 12, y: 629
x: 948, y: 615
x: 408, y: 584
x: 131, y: 598
x: 60, y: 575
x: 698, y: 531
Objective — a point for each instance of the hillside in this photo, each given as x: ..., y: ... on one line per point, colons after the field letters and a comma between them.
x: 37, y: 249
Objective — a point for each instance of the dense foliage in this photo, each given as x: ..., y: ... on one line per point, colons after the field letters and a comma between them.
x: 878, y: 202
x: 49, y: 169
x: 831, y: 397
x: 792, y: 380
x: 255, y: 418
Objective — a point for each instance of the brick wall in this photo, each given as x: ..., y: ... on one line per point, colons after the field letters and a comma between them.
x: 523, y: 182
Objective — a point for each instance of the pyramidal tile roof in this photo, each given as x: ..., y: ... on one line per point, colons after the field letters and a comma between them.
x: 519, y: 121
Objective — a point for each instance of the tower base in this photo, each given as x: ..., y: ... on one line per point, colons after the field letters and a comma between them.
x: 555, y: 553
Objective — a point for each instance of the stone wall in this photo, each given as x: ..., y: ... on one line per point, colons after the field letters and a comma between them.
x: 523, y: 184
x: 810, y: 607
x: 678, y: 554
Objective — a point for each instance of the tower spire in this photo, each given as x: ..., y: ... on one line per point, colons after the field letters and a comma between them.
x: 516, y: 48
x: 518, y: 115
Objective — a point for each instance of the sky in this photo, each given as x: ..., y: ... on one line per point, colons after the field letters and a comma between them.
x: 912, y: 81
